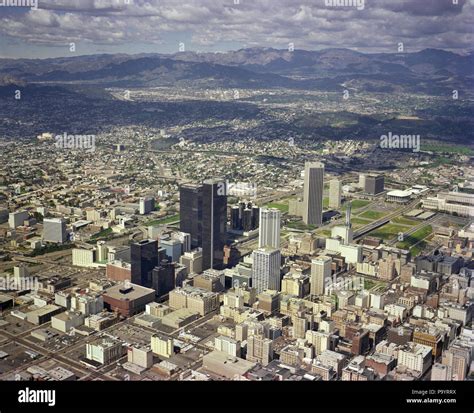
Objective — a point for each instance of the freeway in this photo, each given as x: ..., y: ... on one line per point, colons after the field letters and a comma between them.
x: 382, y: 221
x: 412, y: 230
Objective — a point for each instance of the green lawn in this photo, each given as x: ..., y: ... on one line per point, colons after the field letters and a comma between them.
x: 416, y: 237
x: 404, y: 221
x: 373, y: 215
x: 457, y: 149
x: 356, y: 204
x: 416, y: 250
x: 301, y: 226
x: 51, y: 248
x: 369, y: 284
x: 104, y: 233
x: 388, y: 231
x: 326, y: 202
x: 163, y: 221
x: 361, y: 221
x: 282, y: 207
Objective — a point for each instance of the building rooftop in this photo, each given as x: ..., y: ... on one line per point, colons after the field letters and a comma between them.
x: 132, y: 292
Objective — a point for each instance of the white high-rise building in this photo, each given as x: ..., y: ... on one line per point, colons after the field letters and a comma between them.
x: 227, y: 345
x: 16, y: 219
x: 415, y: 357
x: 313, y: 193
x: 146, y: 205
x: 266, y: 269
x: 335, y: 193
x: 54, y: 230
x: 269, y: 231
x: 320, y: 273
x: 102, y: 251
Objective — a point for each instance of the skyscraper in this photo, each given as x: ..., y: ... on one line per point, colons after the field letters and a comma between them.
x: 255, y: 216
x: 54, y: 230
x: 320, y: 272
x: 335, y: 193
x: 313, y: 193
x: 144, y: 257
x: 374, y: 184
x: 269, y: 231
x: 190, y: 206
x: 214, y: 223
x: 146, y: 205
x: 203, y: 210
x: 247, y: 219
x: 163, y: 278
x: 235, y: 217
x: 266, y: 269
x: 16, y: 219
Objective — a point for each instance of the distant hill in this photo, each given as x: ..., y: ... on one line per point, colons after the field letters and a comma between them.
x: 429, y: 71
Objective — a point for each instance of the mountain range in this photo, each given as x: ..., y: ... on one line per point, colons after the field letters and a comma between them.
x: 430, y: 71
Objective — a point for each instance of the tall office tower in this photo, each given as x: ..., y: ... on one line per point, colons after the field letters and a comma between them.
x: 102, y: 251
x: 247, y: 220
x: 374, y: 184
x: 190, y: 208
x: 173, y: 248
x: 146, y: 205
x: 16, y: 219
x: 242, y: 206
x: 144, y: 257
x: 266, y: 269
x: 269, y: 232
x: 54, y: 230
x: 203, y: 210
x: 362, y: 178
x: 320, y: 273
x: 235, y: 217
x: 458, y: 358
x: 163, y: 278
x: 259, y: 349
x: 313, y: 193
x: 335, y: 193
x: 185, y: 241
x: 255, y: 217
x: 214, y: 223
x: 4, y: 215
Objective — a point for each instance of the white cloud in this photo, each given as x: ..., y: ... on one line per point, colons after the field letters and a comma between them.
x: 307, y: 23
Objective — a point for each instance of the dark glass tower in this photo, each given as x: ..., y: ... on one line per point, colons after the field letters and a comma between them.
x: 234, y: 217
x: 203, y: 210
x: 247, y: 220
x: 144, y: 257
x: 190, y: 205
x: 214, y: 223
x: 163, y: 278
x: 255, y: 217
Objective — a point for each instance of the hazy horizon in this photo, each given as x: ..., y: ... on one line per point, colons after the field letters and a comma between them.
x: 113, y: 26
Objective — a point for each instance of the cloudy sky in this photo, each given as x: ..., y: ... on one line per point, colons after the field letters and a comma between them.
x: 135, y: 26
